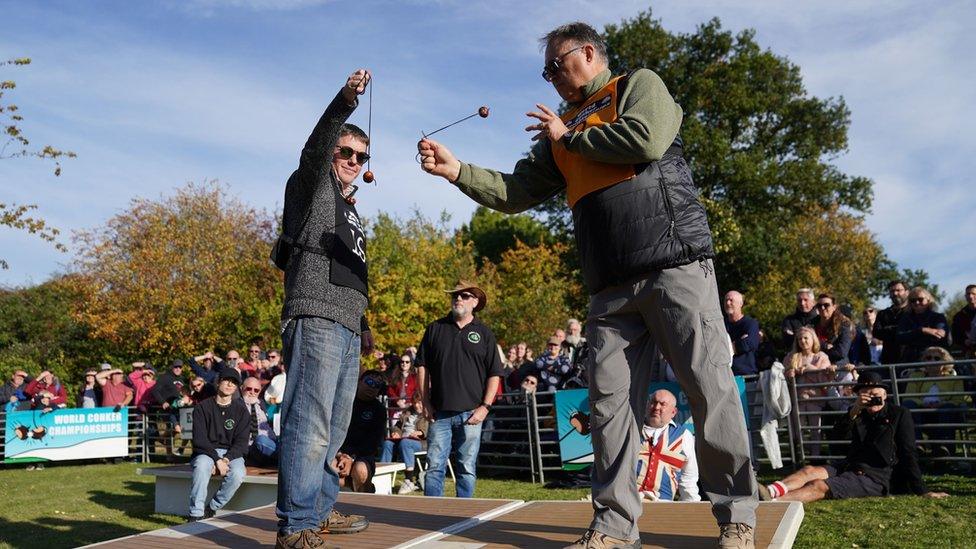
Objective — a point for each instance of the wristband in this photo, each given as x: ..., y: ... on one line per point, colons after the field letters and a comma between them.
x: 487, y: 406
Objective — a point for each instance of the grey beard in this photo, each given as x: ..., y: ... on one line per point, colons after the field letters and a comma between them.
x: 458, y: 313
x: 573, y: 340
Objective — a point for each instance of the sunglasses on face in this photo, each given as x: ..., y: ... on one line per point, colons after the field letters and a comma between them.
x: 824, y: 305
x: 553, y: 66
x: 346, y: 153
x: 463, y: 295
x: 917, y: 300
x: 254, y: 390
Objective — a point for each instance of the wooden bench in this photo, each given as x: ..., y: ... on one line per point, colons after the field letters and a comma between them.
x: 260, y: 487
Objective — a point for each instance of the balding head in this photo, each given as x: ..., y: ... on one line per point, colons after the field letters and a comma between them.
x: 661, y: 408
x: 733, y: 305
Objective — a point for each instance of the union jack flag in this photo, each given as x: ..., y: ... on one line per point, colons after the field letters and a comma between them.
x: 659, y: 465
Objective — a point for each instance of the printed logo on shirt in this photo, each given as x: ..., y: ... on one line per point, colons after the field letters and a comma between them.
x: 229, y: 424
x: 474, y: 337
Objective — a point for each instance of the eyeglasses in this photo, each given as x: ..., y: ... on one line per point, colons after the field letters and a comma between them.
x: 272, y: 355
x: 553, y: 66
x: 346, y: 153
x: 255, y: 350
x: 254, y: 390
x: 463, y: 295
x: 405, y: 362
x: 917, y: 300
x: 824, y: 305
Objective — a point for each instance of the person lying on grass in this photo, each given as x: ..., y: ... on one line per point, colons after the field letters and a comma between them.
x: 880, y: 459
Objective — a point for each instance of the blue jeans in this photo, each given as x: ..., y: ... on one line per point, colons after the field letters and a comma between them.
x: 407, y: 447
x: 449, y: 431
x: 322, y: 358
x: 202, y: 468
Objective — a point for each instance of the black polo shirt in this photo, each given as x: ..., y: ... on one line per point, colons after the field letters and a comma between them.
x: 458, y: 363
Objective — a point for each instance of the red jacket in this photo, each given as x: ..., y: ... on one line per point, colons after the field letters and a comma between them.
x: 60, y: 395
x: 393, y: 391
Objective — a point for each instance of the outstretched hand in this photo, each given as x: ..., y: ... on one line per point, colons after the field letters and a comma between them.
x: 356, y: 84
x: 436, y: 159
x: 550, y: 125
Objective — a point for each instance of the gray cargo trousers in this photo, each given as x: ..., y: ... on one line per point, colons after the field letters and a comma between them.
x: 677, y: 311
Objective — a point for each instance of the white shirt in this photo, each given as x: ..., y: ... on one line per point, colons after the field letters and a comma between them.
x: 688, y: 483
x: 276, y: 389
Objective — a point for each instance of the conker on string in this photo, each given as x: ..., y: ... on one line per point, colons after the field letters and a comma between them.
x: 368, y: 176
x: 483, y: 112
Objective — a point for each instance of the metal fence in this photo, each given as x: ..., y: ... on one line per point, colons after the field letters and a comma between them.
x: 520, y: 435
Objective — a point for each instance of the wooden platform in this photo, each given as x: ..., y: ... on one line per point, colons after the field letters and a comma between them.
x: 450, y: 523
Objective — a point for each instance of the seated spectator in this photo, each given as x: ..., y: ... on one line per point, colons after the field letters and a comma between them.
x: 574, y: 341
x: 666, y: 466
x: 962, y: 323
x: 402, y: 386
x: 553, y: 367
x: 366, y: 431
x: 46, y: 381
x: 12, y: 392
x: 530, y: 384
x: 408, y: 436
x: 221, y: 426
x: 512, y: 378
x: 115, y: 392
x: 262, y: 445
x: 274, y: 393
x: 880, y: 459
x: 90, y: 392
x: 200, y: 390
x: 938, y: 391
x: 254, y: 357
x: 142, y: 380
x: 921, y: 327
x: 808, y: 364
x: 744, y: 333
x: 206, y: 366
x: 835, y: 331
x: 167, y: 388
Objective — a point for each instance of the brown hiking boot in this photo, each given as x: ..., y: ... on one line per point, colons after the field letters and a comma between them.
x: 736, y: 535
x: 597, y: 540
x: 341, y: 523
x: 302, y: 539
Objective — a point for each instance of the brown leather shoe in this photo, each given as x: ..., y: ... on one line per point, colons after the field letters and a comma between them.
x: 302, y: 539
x: 736, y: 535
x: 597, y: 540
x: 341, y: 523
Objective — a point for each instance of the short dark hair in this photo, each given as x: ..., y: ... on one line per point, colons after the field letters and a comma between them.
x: 579, y: 33
x: 970, y: 287
x: 827, y: 296
x: 355, y: 131
x: 894, y: 283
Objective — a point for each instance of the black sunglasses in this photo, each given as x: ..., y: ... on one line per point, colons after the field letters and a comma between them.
x: 917, y: 300
x: 463, y: 295
x: 553, y: 66
x: 346, y: 153
x: 824, y: 305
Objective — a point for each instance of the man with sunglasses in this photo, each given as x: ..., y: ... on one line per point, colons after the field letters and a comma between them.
x: 459, y: 370
x: 323, y: 253
x: 646, y: 255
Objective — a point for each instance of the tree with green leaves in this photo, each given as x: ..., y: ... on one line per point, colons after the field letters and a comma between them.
x: 18, y: 216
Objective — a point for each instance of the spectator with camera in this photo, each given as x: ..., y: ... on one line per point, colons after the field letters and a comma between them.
x: 221, y: 427
x: 880, y: 459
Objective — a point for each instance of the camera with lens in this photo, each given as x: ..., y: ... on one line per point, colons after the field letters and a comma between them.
x: 876, y: 401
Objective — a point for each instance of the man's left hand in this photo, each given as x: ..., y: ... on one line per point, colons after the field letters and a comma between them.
x: 550, y: 125
x: 366, y: 343
x: 223, y: 467
x: 477, y: 415
x: 935, y: 495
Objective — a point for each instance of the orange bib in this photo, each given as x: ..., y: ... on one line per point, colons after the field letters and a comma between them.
x: 584, y: 176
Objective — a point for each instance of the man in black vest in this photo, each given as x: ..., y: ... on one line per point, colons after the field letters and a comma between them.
x: 646, y: 256
x: 322, y: 250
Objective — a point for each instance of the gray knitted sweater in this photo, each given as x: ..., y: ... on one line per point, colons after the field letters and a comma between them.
x: 308, y: 290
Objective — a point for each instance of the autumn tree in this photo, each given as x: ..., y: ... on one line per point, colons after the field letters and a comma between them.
x: 493, y: 233
x: 534, y: 295
x: 16, y: 145
x: 181, y: 275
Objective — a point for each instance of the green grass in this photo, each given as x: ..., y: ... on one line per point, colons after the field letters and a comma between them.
x: 67, y: 506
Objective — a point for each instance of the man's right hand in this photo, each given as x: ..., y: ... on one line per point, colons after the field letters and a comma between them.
x: 356, y: 85
x: 436, y: 159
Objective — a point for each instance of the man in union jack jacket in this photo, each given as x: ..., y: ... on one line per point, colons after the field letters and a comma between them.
x: 666, y: 466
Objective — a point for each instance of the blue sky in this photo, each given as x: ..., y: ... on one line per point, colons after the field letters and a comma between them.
x: 152, y: 95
